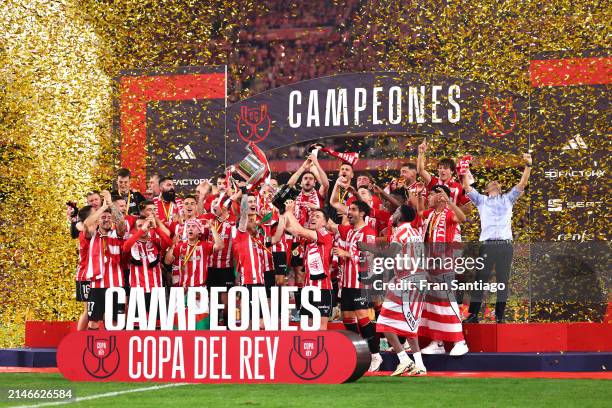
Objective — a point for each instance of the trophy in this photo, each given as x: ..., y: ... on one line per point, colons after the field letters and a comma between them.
x: 284, y: 194
x: 253, y: 168
x: 308, y: 350
x: 100, y: 349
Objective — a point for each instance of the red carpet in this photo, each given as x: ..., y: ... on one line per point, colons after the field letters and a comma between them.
x: 511, y: 374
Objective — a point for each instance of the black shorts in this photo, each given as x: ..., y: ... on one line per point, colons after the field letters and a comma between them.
x: 325, y: 305
x: 82, y: 290
x: 280, y: 263
x: 220, y: 278
x: 96, y: 305
x: 296, y: 260
x: 354, y: 299
x: 250, y: 289
x: 269, y: 281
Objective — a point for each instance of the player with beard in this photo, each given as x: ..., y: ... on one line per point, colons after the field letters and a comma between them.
x: 345, y: 177
x: 317, y: 260
x: 103, y: 259
x: 167, y: 205
x: 308, y: 199
x: 441, y: 317
x: 131, y: 196
x: 146, y: 251
x: 354, y: 293
x: 407, y: 183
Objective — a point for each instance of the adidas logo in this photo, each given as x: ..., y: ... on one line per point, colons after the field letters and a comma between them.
x: 575, y: 143
x: 185, y: 154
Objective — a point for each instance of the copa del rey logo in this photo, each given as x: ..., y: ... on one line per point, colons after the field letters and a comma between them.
x: 214, y: 356
x: 498, y: 116
x: 101, y: 357
x: 254, y: 124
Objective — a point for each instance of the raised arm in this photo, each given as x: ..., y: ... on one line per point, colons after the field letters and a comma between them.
x: 91, y: 222
x: 526, y: 173
x: 421, y: 163
x: 218, y: 242
x: 334, y: 200
x: 294, y: 227
x: 280, y: 230
x: 321, y: 176
x: 169, y: 257
x: 296, y: 176
x: 244, y: 213
x: 157, y: 223
x: 459, y: 214
x: 393, y: 200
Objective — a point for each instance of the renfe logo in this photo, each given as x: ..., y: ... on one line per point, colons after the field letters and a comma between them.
x: 214, y: 356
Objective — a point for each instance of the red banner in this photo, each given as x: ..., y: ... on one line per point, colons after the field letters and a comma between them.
x: 329, y: 357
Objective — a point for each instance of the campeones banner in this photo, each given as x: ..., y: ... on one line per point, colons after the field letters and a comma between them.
x: 213, y: 357
x: 360, y: 104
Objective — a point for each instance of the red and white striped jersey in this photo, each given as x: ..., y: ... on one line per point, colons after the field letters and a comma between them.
x: 81, y: 274
x: 318, y: 258
x: 192, y: 262
x: 104, y: 261
x: 356, y: 261
x: 302, y: 211
x: 410, y: 236
x: 439, y: 226
x: 223, y: 258
x: 178, y: 230
x: 248, y: 253
x: 271, y: 226
x: 457, y: 195
x: 166, y: 211
x: 145, y: 258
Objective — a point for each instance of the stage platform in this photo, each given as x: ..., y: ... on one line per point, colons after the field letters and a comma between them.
x: 520, y: 347
x: 471, y: 362
x: 484, y: 337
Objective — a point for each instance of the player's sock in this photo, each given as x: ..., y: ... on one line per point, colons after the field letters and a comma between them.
x: 403, y: 356
x: 418, y: 359
x: 351, y: 325
x: 368, y: 332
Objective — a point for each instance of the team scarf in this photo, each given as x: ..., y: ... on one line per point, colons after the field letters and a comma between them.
x: 436, y: 230
x: 145, y: 250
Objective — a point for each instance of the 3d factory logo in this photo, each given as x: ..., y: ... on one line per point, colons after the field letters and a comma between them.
x: 498, y: 116
x: 254, y: 124
x: 101, y: 357
x: 308, y: 359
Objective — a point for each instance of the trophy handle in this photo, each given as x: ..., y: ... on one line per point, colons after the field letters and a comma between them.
x: 296, y: 345
x: 112, y: 344
x: 320, y: 345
